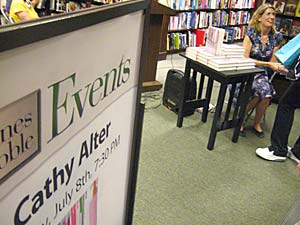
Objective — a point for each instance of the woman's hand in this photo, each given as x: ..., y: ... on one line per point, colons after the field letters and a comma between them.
x: 277, y: 67
x: 282, y: 69
x: 34, y: 2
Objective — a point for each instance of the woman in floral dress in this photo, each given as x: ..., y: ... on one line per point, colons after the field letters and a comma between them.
x: 260, y: 43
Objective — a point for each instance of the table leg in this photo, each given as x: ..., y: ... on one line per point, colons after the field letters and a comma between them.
x: 185, y: 93
x: 217, y: 117
x: 243, y: 104
x: 208, y: 97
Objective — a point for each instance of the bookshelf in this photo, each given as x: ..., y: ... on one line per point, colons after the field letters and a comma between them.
x: 183, y: 28
x: 287, y: 16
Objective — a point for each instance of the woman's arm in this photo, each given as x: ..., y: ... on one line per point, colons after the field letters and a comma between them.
x: 247, y: 44
x: 281, y: 68
x: 273, y: 58
x: 23, y: 15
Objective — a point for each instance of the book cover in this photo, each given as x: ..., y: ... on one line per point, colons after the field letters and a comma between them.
x: 285, y: 26
x: 279, y: 6
x: 277, y: 23
x: 297, y: 13
x: 172, y: 41
x: 229, y: 35
x: 290, y: 7
x: 177, y: 41
x: 214, y: 40
x: 191, y: 39
x: 295, y: 28
x: 200, y: 37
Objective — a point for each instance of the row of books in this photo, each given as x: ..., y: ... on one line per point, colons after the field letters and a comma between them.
x: 229, y: 58
x: 180, y: 40
x: 185, y: 20
x: 211, y: 4
x: 194, y: 20
x: 286, y: 7
x: 176, y: 41
x: 239, y: 17
x: 234, y: 33
x: 288, y: 27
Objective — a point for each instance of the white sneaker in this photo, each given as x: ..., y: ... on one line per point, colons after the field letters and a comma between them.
x: 265, y: 153
x: 292, y: 156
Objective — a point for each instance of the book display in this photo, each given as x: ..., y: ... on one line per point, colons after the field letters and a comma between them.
x: 221, y: 57
x: 195, y: 16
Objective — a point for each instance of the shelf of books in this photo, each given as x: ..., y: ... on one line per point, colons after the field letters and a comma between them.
x: 193, y: 18
x: 287, y: 17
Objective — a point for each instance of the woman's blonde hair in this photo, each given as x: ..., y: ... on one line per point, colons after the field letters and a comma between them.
x: 258, y: 13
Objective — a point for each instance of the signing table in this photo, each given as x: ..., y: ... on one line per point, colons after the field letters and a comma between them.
x: 235, y: 110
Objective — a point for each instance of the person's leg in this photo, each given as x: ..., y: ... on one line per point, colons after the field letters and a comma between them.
x: 251, y: 104
x: 282, y: 125
x: 260, y: 111
x: 264, y: 90
x: 284, y: 119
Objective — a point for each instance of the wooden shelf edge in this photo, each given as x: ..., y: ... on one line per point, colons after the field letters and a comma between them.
x: 157, y: 8
x: 162, y: 56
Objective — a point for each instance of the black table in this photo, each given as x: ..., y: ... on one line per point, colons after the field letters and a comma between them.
x: 234, y: 115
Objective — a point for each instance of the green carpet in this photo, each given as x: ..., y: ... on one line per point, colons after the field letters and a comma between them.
x: 180, y: 182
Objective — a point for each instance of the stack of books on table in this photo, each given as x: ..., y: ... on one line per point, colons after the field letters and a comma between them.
x: 230, y: 58
x: 232, y: 50
x: 231, y: 64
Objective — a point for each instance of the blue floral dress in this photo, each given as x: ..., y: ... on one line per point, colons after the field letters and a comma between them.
x: 261, y: 86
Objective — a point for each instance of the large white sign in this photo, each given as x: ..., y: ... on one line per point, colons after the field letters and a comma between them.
x: 87, y: 81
